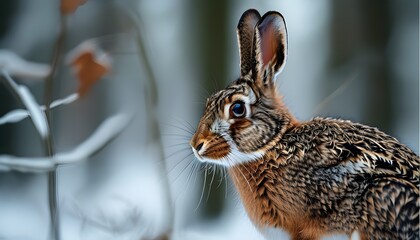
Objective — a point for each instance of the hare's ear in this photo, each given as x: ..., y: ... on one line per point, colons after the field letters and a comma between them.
x: 245, y: 32
x: 270, y: 48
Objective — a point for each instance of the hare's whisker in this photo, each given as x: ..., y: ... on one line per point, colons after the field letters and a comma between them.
x: 177, y: 152
x: 179, y: 162
x: 203, y: 189
x: 186, y: 125
x: 181, y: 128
x: 211, y: 183
x: 179, y: 144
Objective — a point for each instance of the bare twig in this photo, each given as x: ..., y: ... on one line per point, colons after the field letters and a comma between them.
x: 20, y: 114
x: 19, y: 67
x: 57, y: 54
x: 102, y: 136
x: 23, y: 95
x: 48, y: 144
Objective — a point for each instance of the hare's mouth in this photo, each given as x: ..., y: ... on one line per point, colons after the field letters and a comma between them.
x: 211, y: 150
x: 219, y: 151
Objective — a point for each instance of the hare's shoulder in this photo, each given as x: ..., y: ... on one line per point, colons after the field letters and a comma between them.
x: 326, y: 142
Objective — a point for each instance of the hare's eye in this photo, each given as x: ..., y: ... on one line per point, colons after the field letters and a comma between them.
x: 237, y: 110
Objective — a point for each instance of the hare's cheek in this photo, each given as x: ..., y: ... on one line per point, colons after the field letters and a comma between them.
x: 240, y: 124
x: 253, y: 138
x: 245, y: 135
x: 217, y: 149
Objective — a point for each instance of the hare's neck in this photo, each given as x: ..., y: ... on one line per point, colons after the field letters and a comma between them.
x: 261, y: 193
x: 279, y: 105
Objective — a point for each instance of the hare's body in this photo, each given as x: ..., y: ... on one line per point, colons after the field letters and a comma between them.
x: 329, y: 176
x: 310, y: 179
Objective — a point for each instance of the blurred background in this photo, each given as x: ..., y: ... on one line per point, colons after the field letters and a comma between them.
x: 356, y: 60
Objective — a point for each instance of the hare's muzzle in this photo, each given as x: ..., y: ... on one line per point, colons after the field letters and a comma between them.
x: 209, y: 146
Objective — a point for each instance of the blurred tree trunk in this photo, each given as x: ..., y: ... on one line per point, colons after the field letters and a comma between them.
x: 212, y: 52
x: 7, y: 11
x: 360, y: 32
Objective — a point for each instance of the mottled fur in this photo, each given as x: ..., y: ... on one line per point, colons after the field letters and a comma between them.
x: 311, y: 179
x: 331, y: 176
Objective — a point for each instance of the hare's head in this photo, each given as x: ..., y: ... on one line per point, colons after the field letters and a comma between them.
x: 244, y: 120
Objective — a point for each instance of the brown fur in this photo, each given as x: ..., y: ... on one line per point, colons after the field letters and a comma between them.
x: 315, y: 178
x: 290, y: 186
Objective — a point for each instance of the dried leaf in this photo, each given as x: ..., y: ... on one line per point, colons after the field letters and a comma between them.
x: 69, y: 6
x: 90, y: 64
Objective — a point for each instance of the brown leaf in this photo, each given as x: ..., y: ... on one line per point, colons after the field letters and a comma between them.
x: 89, y: 64
x: 69, y: 6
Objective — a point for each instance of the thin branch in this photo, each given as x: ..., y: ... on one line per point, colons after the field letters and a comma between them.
x: 103, y: 135
x: 18, y: 115
x: 19, y: 67
x: 37, y: 115
x: 57, y: 54
x: 99, y: 139
x: 14, y: 116
x: 49, y: 142
x: 63, y: 101
x: 24, y: 96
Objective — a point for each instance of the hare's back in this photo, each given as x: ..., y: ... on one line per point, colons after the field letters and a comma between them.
x: 325, y: 142
x: 356, y: 173
x: 390, y: 209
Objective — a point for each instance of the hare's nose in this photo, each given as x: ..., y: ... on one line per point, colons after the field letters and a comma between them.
x: 199, y: 146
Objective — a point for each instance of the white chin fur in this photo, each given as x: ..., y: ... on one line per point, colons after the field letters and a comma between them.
x: 235, y: 157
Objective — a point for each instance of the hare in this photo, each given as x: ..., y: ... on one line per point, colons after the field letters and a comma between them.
x: 308, y: 179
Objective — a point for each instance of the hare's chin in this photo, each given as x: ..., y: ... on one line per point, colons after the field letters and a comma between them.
x: 200, y: 158
x: 234, y: 157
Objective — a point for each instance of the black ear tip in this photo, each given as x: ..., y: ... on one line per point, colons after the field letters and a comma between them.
x: 272, y: 18
x: 251, y: 11
x: 272, y: 14
x: 249, y: 14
